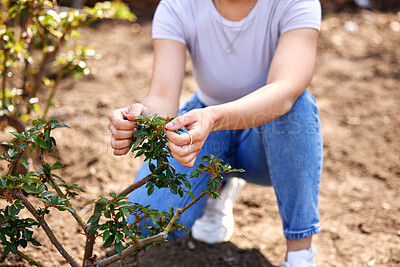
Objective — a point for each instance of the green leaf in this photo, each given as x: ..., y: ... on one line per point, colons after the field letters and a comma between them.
x: 109, y: 241
x: 237, y: 170
x: 107, y: 214
x: 6, y: 250
x: 40, y: 125
x: 190, y: 194
x: 138, y: 141
x: 94, y: 217
x: 205, y: 158
x: 195, y: 173
x: 187, y: 183
x: 142, y: 118
x: 152, y: 167
x: 128, y: 233
x: 118, y: 248
x: 45, y: 193
x: 217, y: 160
x: 120, y: 236
x: 7, y: 143
x: 24, y: 162
x: 152, y: 116
x: 140, y: 152
x: 150, y: 190
x: 23, y: 243
x: 22, y: 145
x: 41, y: 143
x: 30, y: 189
x: 34, y: 242
x: 13, y: 248
x: 94, y: 228
x: 13, y: 210
x: 125, y: 211
x: 106, y: 234
x: 153, y: 217
x: 173, y: 188
x: 56, y: 166
x: 180, y: 192
x: 12, y: 152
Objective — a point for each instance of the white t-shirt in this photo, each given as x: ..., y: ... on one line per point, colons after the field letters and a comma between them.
x: 224, y: 77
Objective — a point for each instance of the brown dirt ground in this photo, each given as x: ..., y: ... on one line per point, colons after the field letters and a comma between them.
x: 356, y: 84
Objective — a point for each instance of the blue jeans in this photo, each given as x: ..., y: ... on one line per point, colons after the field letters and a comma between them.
x: 285, y: 153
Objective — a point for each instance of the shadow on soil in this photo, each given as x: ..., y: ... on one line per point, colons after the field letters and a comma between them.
x: 187, y: 252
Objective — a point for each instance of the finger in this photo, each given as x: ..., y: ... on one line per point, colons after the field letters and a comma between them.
x: 121, y: 134
x: 187, y: 161
x: 133, y: 111
x: 121, y: 152
x: 180, y: 122
x: 120, y: 143
x: 119, y: 121
x: 179, y: 139
x: 180, y: 151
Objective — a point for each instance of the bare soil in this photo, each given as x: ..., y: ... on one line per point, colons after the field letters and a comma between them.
x: 356, y: 84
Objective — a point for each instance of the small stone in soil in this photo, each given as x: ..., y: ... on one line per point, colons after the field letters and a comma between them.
x: 191, y: 245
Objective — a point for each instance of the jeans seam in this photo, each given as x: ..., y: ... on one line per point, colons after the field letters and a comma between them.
x: 265, y: 143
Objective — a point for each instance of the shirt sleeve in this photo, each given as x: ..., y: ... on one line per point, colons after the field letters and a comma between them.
x: 301, y: 14
x: 168, y: 21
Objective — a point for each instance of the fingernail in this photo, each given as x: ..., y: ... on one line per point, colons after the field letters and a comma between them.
x: 169, y: 125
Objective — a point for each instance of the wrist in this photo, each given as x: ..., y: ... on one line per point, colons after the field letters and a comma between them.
x: 215, y: 118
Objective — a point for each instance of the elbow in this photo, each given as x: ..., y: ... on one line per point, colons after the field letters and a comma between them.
x: 289, y: 102
x: 287, y: 106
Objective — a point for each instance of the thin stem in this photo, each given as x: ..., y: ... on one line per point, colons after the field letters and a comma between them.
x: 55, y: 4
x: 180, y: 211
x: 136, y: 185
x: 37, y: 77
x: 5, y: 69
x: 152, y: 239
x: 161, y: 237
x: 28, y: 259
x: 137, y: 221
x: 52, y: 93
x: 172, y: 221
x: 15, y: 162
x: 196, y: 199
x: 68, y: 204
x: 90, y: 239
x: 18, y: 194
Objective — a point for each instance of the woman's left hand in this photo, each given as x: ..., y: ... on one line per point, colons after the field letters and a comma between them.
x: 186, y: 146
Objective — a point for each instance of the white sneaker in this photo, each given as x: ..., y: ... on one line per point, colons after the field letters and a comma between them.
x: 216, y: 224
x: 301, y: 258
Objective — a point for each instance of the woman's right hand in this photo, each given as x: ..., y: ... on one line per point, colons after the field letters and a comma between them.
x: 122, y: 125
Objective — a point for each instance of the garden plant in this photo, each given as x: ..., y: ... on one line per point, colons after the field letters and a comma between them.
x: 108, y: 221
x: 38, y: 49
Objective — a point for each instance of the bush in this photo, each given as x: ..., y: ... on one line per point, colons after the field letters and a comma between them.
x: 55, y: 193
x: 50, y: 30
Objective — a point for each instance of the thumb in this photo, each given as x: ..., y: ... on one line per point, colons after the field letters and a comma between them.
x: 134, y: 110
x: 130, y: 115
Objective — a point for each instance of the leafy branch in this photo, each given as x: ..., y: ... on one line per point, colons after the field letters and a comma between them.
x: 44, y: 26
x: 109, y: 217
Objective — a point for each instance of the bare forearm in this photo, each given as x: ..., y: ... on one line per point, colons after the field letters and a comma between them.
x: 255, y: 109
x: 161, y: 106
